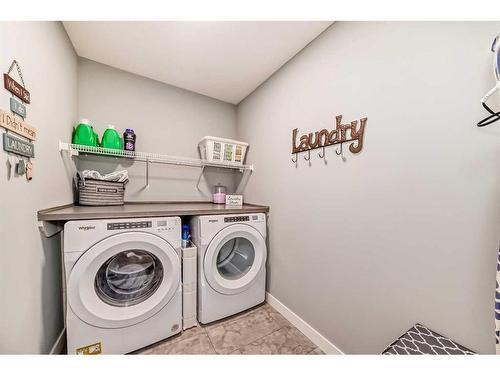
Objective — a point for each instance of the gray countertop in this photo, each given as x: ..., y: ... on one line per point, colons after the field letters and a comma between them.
x: 140, y: 209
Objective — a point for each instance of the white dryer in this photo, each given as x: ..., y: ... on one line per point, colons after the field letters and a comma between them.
x: 123, y: 283
x: 232, y: 255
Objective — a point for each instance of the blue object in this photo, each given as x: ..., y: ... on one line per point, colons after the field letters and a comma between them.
x: 185, y: 231
x: 185, y: 235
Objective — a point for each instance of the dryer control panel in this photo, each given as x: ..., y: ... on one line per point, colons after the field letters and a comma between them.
x: 239, y: 219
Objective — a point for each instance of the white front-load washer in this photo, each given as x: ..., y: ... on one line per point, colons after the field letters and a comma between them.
x: 232, y: 255
x: 123, y: 283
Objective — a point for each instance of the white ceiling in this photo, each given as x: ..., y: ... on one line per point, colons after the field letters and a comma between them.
x: 224, y: 60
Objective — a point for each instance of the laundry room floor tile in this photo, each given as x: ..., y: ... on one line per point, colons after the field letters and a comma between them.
x: 198, y: 344
x: 235, y: 317
x: 232, y: 335
x: 317, y: 351
x: 286, y: 340
x: 261, y: 330
x: 187, y: 334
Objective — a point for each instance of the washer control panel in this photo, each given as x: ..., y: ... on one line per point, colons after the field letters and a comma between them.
x: 236, y: 219
x: 129, y: 225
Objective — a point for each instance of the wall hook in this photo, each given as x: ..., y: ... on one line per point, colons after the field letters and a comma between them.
x: 296, y: 157
x: 321, y: 154
x: 308, y: 155
x: 339, y: 153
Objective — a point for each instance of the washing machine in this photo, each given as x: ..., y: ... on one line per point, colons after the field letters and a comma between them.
x: 232, y: 255
x: 123, y: 283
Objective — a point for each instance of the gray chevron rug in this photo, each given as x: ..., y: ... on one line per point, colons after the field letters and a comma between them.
x: 421, y: 340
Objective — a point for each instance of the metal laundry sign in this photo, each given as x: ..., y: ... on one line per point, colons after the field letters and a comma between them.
x: 326, y: 137
x: 18, y: 146
x: 343, y: 133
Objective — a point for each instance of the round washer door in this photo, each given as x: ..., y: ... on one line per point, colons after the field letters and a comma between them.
x: 123, y: 280
x: 234, y: 258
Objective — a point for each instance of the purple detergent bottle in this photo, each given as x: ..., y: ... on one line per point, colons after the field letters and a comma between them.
x: 129, y: 140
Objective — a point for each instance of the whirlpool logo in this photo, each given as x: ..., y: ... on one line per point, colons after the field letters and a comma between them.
x: 87, y: 227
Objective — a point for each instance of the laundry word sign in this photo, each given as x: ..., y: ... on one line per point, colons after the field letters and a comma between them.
x: 10, y: 122
x: 18, y: 146
x: 15, y: 88
x: 342, y: 133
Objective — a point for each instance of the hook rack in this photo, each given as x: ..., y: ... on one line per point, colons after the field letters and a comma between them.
x: 322, y: 153
x: 324, y: 138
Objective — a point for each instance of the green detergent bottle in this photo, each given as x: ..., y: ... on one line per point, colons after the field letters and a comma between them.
x: 83, y: 134
x: 111, y: 139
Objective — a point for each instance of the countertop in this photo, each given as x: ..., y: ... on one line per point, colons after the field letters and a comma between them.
x: 146, y: 209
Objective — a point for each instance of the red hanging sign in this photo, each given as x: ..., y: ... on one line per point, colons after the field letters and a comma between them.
x: 16, y: 88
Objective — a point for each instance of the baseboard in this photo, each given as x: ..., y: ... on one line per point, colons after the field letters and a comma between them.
x: 313, y: 335
x: 58, y: 347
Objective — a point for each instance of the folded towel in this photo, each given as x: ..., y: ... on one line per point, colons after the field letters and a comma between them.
x: 117, y: 176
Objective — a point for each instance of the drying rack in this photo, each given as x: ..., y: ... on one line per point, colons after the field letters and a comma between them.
x: 76, y: 150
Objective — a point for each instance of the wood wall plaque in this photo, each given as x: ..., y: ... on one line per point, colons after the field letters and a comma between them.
x: 15, y: 88
x: 15, y: 124
x: 17, y: 107
x: 18, y: 146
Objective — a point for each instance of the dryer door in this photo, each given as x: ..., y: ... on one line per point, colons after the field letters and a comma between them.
x: 123, y: 280
x: 234, y: 258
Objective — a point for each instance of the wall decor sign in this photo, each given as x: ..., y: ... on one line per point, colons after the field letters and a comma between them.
x: 14, y: 87
x: 10, y: 122
x: 18, y: 146
x: 353, y: 132
x: 17, y: 107
x: 17, y: 125
x: 234, y: 200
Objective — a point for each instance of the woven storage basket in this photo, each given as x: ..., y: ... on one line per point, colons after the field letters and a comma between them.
x: 100, y: 193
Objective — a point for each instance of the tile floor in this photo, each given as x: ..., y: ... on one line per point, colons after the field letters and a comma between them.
x: 261, y: 330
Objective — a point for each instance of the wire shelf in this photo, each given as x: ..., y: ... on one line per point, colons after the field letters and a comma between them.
x: 75, y: 150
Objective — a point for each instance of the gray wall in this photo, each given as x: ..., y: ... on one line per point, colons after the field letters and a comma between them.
x: 407, y: 230
x: 167, y: 120
x: 30, y: 276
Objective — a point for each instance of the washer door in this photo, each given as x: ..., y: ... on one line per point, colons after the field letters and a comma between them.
x: 123, y: 280
x: 234, y: 258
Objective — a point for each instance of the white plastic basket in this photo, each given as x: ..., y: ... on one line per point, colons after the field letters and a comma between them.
x: 222, y: 149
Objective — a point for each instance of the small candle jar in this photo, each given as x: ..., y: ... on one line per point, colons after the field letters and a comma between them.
x: 219, y: 195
